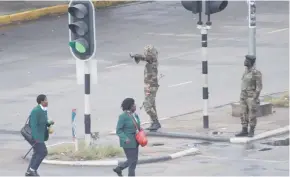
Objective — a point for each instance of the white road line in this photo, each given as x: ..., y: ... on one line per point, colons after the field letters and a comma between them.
x: 115, y: 66
x: 166, y: 34
x: 276, y: 31
x: 261, y: 160
x: 183, y: 83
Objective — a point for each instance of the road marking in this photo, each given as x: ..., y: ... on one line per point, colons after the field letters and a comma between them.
x: 166, y: 34
x: 115, y: 66
x: 183, y: 83
x: 225, y: 158
x: 276, y: 31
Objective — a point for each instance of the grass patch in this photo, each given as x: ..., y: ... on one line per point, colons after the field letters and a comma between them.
x: 282, y: 101
x: 67, y: 152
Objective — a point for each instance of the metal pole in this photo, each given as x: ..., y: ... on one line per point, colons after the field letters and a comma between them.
x: 87, y: 104
x: 252, y: 27
x: 204, y: 31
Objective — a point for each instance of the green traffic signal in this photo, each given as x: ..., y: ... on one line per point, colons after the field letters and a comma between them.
x: 79, y: 46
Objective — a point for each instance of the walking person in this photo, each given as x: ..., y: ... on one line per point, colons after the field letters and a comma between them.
x: 39, y: 125
x: 126, y: 130
x: 249, y: 98
x: 151, y: 83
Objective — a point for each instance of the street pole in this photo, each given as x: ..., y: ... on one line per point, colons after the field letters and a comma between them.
x: 204, y: 43
x: 87, y: 111
x: 252, y: 27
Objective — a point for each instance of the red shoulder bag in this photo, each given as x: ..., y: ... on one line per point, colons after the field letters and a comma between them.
x: 140, y: 135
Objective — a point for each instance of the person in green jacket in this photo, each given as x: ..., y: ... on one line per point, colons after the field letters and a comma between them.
x: 39, y: 125
x: 126, y: 130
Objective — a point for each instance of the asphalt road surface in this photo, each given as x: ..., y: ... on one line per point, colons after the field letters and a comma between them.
x: 217, y: 159
x: 35, y: 58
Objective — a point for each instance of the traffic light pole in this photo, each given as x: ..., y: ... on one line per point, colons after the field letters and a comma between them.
x: 252, y: 27
x: 204, y: 31
x: 87, y: 111
x: 208, y: 7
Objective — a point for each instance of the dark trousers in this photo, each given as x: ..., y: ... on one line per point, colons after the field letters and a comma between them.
x: 132, y: 159
x: 39, y: 153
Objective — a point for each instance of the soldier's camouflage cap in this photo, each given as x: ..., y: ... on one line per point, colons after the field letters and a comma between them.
x: 150, y: 50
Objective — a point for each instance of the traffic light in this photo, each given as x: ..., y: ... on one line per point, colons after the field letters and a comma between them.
x: 81, y: 15
x: 193, y: 6
x: 213, y: 7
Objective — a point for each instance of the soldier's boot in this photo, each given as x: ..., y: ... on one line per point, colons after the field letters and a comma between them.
x: 243, y: 133
x: 251, y: 132
x: 155, y: 126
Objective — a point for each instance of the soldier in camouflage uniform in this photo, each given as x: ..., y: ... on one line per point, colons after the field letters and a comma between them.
x: 151, y: 83
x: 249, y: 98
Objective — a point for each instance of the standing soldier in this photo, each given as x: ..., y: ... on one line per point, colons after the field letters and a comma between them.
x: 249, y: 99
x: 151, y: 83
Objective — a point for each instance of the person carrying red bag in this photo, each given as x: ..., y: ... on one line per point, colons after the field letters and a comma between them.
x: 128, y: 129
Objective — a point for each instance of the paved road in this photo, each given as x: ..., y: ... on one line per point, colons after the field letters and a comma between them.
x: 35, y: 59
x: 214, y: 160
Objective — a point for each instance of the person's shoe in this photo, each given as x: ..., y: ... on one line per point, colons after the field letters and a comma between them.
x: 31, y: 173
x: 150, y: 127
x: 118, y: 171
x: 251, y: 132
x: 155, y: 126
x: 243, y: 133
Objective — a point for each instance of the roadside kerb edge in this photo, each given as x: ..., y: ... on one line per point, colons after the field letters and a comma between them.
x: 264, y: 135
x: 234, y: 140
x: 190, y: 151
x: 187, y: 136
x: 34, y: 14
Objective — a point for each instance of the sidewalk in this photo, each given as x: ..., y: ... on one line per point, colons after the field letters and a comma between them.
x: 221, y: 123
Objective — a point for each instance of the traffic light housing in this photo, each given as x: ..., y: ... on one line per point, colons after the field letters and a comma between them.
x: 193, y: 6
x: 81, y: 15
x: 213, y: 7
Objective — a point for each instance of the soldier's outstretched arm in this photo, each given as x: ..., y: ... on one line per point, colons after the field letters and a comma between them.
x: 259, y: 83
x: 138, y: 57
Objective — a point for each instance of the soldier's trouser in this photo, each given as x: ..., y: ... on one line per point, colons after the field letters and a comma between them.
x: 249, y: 112
x: 150, y: 104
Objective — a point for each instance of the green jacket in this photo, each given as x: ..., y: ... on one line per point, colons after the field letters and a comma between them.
x: 126, y: 130
x: 39, y: 124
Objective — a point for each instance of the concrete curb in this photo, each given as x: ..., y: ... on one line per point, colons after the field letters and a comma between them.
x: 264, y: 135
x: 187, y: 136
x: 199, y: 110
x: 234, y: 140
x: 116, y: 162
x: 58, y: 9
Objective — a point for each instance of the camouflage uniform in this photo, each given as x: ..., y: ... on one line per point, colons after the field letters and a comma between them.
x: 151, y: 83
x: 249, y: 99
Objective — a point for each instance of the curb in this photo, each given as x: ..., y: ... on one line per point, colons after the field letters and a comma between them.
x: 117, y: 162
x: 187, y: 136
x: 58, y: 9
x: 264, y: 135
x: 200, y: 110
x: 234, y: 140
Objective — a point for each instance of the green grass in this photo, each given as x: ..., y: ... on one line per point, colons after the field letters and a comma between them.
x: 67, y: 152
x: 282, y: 101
